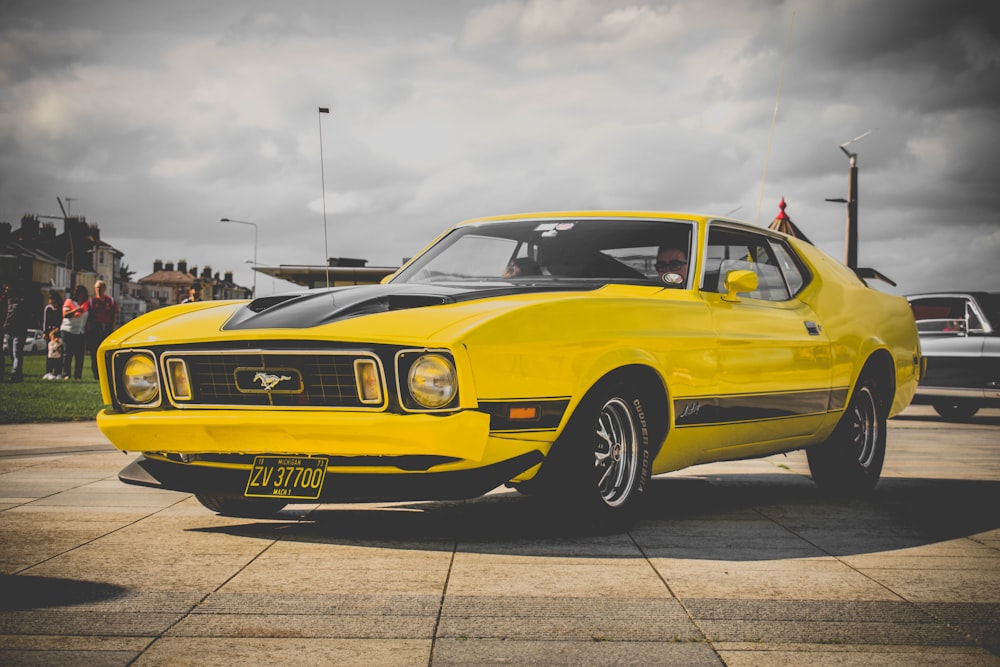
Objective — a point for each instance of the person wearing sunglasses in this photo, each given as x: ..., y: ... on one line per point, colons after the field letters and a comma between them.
x: 672, y: 266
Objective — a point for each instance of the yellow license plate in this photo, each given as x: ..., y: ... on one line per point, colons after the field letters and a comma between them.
x: 291, y: 477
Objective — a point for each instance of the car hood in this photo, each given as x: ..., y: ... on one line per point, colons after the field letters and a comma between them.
x: 316, y: 308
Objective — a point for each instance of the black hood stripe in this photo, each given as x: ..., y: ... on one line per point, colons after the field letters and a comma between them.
x: 318, y: 307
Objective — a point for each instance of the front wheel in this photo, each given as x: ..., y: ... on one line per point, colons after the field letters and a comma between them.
x: 240, y: 506
x: 601, y: 464
x: 851, y: 459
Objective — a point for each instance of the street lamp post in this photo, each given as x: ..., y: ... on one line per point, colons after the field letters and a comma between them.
x: 322, y: 176
x: 851, y: 235
x: 254, y: 225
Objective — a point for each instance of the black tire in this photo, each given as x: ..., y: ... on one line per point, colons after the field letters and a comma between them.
x: 956, y: 411
x: 241, y: 507
x: 600, y: 466
x: 850, y: 461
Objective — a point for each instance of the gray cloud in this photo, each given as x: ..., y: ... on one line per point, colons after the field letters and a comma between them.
x: 160, y: 118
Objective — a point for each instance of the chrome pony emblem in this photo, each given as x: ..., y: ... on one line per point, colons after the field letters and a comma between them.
x: 269, y: 381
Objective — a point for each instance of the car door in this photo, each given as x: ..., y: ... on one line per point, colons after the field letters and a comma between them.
x: 774, y: 356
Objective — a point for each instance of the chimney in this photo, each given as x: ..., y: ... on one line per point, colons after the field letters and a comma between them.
x: 194, y: 271
x: 157, y: 265
x: 47, y: 235
x: 182, y: 265
x: 4, y: 232
x: 29, y: 228
x: 95, y: 233
x: 229, y: 276
x: 206, y: 273
x: 169, y: 266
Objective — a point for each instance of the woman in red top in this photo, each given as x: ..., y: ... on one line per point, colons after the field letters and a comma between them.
x: 74, y: 326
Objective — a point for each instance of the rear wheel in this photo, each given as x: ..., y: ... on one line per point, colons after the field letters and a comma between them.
x: 601, y: 464
x: 240, y: 506
x: 956, y: 411
x: 851, y: 459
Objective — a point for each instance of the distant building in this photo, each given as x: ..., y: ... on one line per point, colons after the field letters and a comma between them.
x: 168, y: 284
x: 339, y: 271
x: 130, y: 307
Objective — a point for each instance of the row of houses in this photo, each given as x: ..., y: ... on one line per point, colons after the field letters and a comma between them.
x: 169, y: 284
x: 44, y: 260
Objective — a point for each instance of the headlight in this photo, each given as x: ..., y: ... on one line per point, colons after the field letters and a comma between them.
x: 432, y: 381
x: 139, y: 379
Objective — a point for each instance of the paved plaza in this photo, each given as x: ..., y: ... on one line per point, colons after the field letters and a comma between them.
x: 739, y: 564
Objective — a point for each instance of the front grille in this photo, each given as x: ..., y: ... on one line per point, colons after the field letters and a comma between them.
x: 294, y: 379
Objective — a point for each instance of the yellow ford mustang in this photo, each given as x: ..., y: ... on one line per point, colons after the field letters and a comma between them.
x: 572, y: 355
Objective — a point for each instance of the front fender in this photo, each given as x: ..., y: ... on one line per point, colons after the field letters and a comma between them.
x: 592, y: 371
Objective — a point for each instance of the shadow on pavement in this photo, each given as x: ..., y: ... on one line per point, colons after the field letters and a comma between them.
x: 22, y: 592
x: 718, y: 517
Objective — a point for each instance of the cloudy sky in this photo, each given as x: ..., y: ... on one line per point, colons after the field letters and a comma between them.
x: 156, y: 119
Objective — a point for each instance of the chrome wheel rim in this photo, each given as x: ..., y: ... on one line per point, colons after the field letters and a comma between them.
x: 865, y: 427
x: 616, y: 454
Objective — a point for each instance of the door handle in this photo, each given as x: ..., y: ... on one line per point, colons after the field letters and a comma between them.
x: 813, y: 328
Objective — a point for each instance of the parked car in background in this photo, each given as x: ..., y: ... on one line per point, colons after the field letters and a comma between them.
x: 569, y: 355
x: 960, y: 338
x: 34, y: 343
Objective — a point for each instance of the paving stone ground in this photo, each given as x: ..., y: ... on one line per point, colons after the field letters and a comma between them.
x: 742, y: 564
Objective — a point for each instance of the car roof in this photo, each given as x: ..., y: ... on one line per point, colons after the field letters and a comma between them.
x: 931, y: 295
x: 630, y: 215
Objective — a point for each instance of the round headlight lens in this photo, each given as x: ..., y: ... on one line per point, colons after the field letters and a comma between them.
x: 140, y: 380
x: 432, y: 381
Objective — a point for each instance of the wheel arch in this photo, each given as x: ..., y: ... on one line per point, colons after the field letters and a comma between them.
x: 649, y: 382
x: 881, y: 368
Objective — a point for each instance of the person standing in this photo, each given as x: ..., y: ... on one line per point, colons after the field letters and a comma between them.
x: 53, y: 360
x: 74, y: 326
x: 52, y: 315
x: 103, y: 315
x: 3, y: 320
x: 16, y: 327
x: 194, y: 294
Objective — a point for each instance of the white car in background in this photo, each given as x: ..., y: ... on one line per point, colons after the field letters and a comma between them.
x: 35, y: 342
x: 960, y: 339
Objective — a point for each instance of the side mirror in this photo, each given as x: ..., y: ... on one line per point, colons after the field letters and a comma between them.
x: 738, y: 282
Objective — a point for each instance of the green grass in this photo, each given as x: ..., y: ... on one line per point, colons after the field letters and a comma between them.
x: 38, y: 400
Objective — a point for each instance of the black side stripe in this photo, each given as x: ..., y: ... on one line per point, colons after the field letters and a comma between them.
x: 710, y: 410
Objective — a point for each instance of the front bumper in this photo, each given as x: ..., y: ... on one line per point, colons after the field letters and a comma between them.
x: 461, y: 435
x: 372, y: 456
x: 338, y: 487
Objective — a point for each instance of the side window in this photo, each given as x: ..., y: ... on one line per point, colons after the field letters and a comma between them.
x: 944, y: 314
x: 731, y: 250
x: 795, y: 275
x: 972, y: 320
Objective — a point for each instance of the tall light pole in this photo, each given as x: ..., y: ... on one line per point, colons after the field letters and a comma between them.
x: 254, y: 225
x: 322, y: 177
x: 851, y: 236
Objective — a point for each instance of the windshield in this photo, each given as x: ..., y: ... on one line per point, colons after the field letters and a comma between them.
x: 616, y: 250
